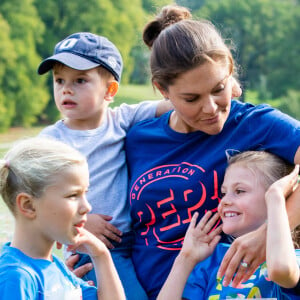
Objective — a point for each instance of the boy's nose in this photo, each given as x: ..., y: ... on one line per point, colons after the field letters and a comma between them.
x: 67, y: 88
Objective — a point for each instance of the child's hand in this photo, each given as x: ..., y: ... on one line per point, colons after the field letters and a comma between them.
x: 88, y: 243
x: 80, y: 271
x: 284, y: 186
x: 99, y: 225
x: 200, y: 241
x: 106, y: 273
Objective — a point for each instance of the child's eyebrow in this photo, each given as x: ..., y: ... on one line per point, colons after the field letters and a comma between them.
x: 82, y: 73
x: 56, y: 72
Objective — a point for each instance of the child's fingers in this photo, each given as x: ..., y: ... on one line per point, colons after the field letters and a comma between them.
x: 71, y: 261
x: 294, y: 174
x: 290, y: 181
x: 287, y: 184
x: 204, y: 220
x: 82, y: 270
x: 208, y: 222
x: 215, y: 241
x: 216, y: 232
x: 82, y: 238
x: 213, y: 220
x: 193, y: 222
x: 194, y: 219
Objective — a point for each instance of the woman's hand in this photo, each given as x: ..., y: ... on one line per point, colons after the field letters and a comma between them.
x: 243, y: 257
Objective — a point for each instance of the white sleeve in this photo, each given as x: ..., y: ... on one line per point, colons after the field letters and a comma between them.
x: 129, y: 114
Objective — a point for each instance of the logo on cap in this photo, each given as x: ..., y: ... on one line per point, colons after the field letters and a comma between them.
x: 84, y: 51
x: 67, y: 44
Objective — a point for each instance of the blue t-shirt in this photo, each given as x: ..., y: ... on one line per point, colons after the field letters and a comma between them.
x: 23, y: 278
x: 203, y: 282
x: 174, y: 174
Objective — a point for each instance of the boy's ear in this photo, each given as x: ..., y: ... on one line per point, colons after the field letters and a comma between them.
x: 25, y: 205
x: 111, y: 91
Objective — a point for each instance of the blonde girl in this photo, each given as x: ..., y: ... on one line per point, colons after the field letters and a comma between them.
x: 44, y: 183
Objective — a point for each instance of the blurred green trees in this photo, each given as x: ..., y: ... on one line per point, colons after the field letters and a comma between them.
x: 24, y: 95
x: 265, y: 33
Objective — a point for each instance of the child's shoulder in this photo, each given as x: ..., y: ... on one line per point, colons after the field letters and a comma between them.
x: 53, y: 129
x: 126, y: 115
x: 14, y: 268
x: 140, y: 107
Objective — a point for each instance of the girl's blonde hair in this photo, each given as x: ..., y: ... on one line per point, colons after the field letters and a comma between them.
x: 179, y: 44
x: 31, y: 165
x: 268, y: 168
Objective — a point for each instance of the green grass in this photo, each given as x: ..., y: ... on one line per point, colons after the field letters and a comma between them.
x: 7, y: 224
x: 135, y: 93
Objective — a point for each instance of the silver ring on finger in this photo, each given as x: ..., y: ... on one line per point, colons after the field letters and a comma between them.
x: 244, y: 264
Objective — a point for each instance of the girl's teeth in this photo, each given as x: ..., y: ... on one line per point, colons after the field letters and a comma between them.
x: 230, y: 215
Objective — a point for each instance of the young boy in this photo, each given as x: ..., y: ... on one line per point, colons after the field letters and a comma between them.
x: 86, y: 73
x: 44, y: 184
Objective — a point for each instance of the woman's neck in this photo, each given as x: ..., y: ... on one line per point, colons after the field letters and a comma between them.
x: 178, y: 125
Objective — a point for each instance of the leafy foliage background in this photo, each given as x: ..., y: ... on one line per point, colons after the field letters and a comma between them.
x: 265, y: 34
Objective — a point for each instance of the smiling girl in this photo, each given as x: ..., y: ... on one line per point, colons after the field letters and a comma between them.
x: 254, y: 190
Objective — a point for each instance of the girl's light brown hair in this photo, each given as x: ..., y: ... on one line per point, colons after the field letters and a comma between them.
x: 269, y: 168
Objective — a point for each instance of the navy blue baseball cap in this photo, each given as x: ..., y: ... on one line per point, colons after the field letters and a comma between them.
x: 84, y: 51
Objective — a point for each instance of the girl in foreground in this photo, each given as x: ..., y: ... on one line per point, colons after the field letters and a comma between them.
x: 254, y: 192
x: 44, y: 183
